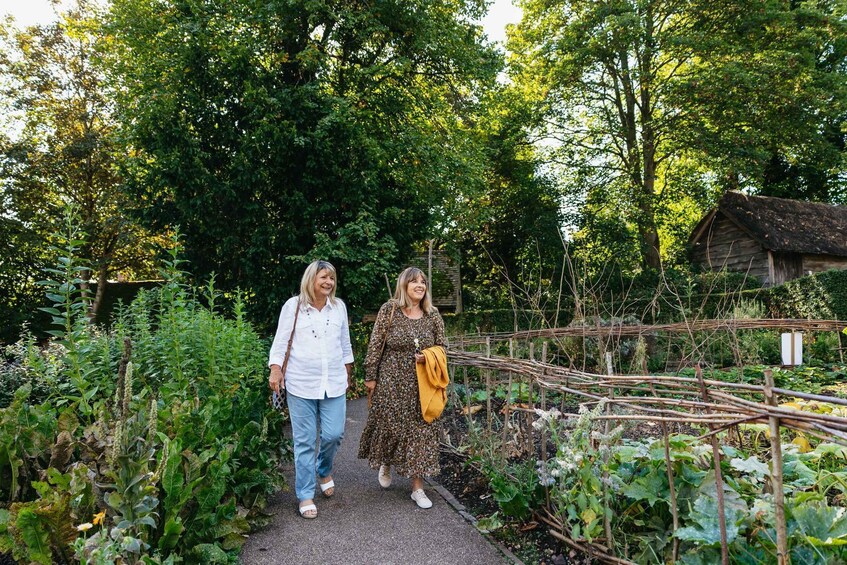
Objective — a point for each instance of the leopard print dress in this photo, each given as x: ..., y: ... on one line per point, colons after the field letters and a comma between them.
x: 396, y: 433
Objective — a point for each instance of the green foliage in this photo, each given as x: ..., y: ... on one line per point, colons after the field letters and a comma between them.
x: 21, y: 267
x: 516, y: 487
x: 493, y: 321
x: 362, y: 254
x: 295, y: 129
x: 628, y: 482
x: 180, y: 451
x: 508, y: 226
x: 818, y: 296
x: 657, y: 107
x: 62, y: 147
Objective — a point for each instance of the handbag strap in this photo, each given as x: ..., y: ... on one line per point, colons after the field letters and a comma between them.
x: 290, y: 339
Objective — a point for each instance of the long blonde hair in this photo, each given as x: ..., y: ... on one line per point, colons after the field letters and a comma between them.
x: 307, y: 283
x: 408, y: 275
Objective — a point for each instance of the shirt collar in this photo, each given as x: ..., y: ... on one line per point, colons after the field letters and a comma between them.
x: 329, y: 305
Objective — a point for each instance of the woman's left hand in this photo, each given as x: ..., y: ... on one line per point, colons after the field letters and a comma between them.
x: 419, y: 358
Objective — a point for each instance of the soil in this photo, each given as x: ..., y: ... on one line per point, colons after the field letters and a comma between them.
x: 528, y: 540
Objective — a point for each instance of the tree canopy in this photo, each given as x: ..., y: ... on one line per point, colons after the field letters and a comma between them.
x: 62, y: 149
x: 653, y: 107
x: 268, y: 131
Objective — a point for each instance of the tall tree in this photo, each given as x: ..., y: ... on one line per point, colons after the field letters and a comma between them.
x: 273, y: 131
x: 606, y: 68
x: 768, y: 97
x: 635, y: 91
x: 64, y: 150
x: 509, y: 227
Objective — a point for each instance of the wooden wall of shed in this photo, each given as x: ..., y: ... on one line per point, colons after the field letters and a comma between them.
x: 821, y: 263
x: 446, y: 299
x: 725, y: 246
x: 786, y: 267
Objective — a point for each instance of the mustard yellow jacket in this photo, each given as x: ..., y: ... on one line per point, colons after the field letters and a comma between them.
x: 432, y: 382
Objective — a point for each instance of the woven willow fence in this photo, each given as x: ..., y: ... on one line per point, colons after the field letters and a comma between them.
x: 666, y: 400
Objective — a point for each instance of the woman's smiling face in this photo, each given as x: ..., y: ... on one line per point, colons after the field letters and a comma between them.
x: 416, y: 289
x: 324, y: 283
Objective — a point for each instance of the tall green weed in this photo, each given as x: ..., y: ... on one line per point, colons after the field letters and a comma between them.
x: 152, y: 442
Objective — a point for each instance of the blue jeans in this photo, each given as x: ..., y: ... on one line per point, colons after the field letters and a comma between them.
x: 305, y: 414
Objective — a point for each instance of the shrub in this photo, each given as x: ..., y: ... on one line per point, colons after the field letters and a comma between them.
x: 155, y: 438
x: 817, y: 296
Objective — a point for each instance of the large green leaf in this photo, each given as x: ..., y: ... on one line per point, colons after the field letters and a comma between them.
x: 170, y: 535
x: 821, y: 524
x: 35, y: 535
x: 653, y: 487
x: 704, y: 525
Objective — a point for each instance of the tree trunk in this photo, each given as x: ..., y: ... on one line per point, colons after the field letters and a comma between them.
x: 101, y: 292
x: 650, y: 257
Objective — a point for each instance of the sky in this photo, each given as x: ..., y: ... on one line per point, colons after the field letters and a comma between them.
x: 29, y: 12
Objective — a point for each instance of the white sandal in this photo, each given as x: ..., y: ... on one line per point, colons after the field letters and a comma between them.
x: 384, y: 476
x: 420, y: 498
x: 308, y: 508
x: 329, y: 485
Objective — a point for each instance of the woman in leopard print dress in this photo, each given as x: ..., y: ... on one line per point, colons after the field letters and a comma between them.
x: 396, y: 434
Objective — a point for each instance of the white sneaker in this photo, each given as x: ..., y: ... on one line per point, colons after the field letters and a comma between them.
x: 384, y: 476
x: 420, y: 498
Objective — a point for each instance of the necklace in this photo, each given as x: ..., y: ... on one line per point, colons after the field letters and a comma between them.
x: 312, y: 326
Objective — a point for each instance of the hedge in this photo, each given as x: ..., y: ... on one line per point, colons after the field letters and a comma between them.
x: 818, y: 296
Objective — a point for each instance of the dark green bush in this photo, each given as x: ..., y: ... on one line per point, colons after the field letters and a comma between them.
x: 817, y: 296
x: 175, y: 453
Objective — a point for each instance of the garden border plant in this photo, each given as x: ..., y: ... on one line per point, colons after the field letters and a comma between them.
x: 814, y: 481
x: 152, y: 442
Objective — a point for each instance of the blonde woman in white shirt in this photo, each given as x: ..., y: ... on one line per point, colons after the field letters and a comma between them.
x: 320, y: 364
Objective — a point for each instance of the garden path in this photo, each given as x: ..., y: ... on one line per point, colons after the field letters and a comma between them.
x: 364, y: 524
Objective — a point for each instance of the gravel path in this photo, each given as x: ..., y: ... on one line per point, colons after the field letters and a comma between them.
x: 364, y: 524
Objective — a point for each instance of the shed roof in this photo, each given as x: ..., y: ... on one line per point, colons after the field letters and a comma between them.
x: 781, y: 224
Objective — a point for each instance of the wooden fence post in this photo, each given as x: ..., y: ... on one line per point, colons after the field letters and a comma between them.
x: 530, y: 439
x: 544, y: 430
x: 782, y: 556
x: 506, y: 407
x: 716, y: 456
x: 607, y: 522
x: 488, y: 383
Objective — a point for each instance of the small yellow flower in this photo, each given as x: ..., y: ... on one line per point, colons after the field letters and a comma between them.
x: 98, y: 518
x: 85, y: 527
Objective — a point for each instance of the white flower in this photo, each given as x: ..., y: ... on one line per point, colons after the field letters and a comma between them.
x: 85, y: 527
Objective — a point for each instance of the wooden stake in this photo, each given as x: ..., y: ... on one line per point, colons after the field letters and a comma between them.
x: 782, y: 555
x: 607, y: 522
x: 669, y: 466
x: 544, y: 430
x: 530, y: 440
x: 488, y: 384
x: 506, y: 420
x: 716, y: 456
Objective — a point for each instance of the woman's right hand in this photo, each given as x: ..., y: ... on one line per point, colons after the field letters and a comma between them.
x: 277, y: 380
x: 371, y: 385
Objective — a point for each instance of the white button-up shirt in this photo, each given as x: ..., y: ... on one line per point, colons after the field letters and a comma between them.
x: 319, y: 351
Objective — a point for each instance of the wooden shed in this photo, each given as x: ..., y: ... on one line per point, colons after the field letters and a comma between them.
x: 773, y: 239
x: 446, y: 279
